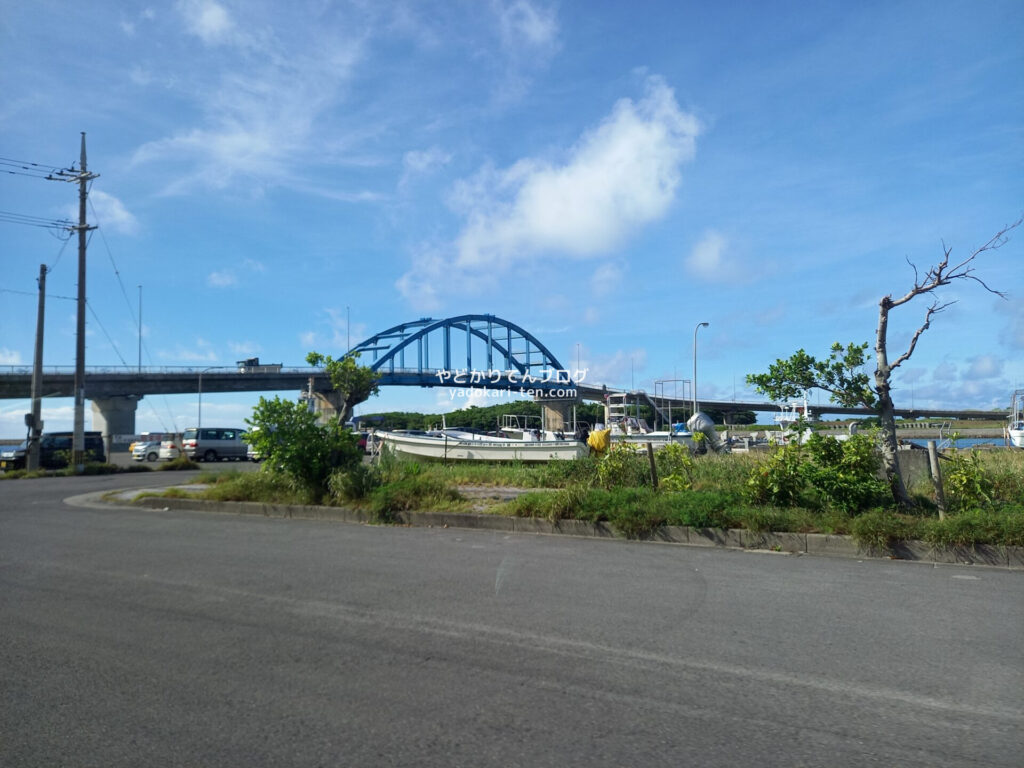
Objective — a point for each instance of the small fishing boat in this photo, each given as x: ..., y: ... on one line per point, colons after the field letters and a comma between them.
x: 1015, y: 427
x: 468, y: 446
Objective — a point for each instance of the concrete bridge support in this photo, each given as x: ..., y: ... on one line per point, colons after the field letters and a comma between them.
x: 328, y: 405
x: 557, y: 414
x: 114, y: 416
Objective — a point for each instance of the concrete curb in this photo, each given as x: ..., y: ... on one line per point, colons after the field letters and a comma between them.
x: 790, y: 543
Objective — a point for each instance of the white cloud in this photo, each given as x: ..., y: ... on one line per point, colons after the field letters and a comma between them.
x: 945, y: 372
x: 111, y: 213
x: 525, y: 25
x: 307, y: 339
x: 619, y: 176
x: 9, y: 356
x: 221, y: 279
x: 433, y: 277
x: 208, y: 20
x: 263, y: 99
x: 984, y: 367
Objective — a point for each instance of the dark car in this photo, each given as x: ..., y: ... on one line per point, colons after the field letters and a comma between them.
x: 54, y: 451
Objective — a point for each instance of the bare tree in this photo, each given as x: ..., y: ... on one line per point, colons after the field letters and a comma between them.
x: 841, y: 376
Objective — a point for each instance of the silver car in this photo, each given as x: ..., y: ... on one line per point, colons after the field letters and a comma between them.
x: 146, y: 451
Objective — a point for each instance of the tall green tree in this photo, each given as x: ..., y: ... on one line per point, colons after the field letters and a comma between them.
x: 353, y: 382
x: 842, y: 373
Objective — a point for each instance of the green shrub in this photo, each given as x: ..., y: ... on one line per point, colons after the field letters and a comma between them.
x: 780, y: 479
x: 354, y: 484
x: 623, y: 467
x: 675, y: 467
x: 841, y: 475
x: 286, y: 434
x: 965, y: 480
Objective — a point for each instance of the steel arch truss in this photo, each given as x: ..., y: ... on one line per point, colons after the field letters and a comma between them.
x: 427, y: 352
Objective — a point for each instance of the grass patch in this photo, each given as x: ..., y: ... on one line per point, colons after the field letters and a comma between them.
x: 266, y: 487
x: 179, y: 464
x: 416, y: 492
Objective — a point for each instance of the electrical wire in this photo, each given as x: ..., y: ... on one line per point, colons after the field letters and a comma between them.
x: 29, y: 293
x: 117, y: 272
x: 30, y: 169
x: 100, y: 324
x: 131, y: 311
x: 36, y: 221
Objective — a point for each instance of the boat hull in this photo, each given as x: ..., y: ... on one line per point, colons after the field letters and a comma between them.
x: 440, y: 449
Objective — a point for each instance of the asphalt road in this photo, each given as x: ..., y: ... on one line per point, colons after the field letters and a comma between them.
x: 146, y: 638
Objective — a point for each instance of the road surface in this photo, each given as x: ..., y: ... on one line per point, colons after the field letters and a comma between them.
x: 136, y: 638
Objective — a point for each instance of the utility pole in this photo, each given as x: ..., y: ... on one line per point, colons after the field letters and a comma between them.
x: 33, y: 420
x: 82, y: 177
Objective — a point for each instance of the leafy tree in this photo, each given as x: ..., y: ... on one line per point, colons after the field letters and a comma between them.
x: 842, y: 375
x: 286, y: 435
x: 355, y: 383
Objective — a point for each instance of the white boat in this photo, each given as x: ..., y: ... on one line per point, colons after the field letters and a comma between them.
x: 632, y: 430
x: 1015, y: 429
x: 461, y: 445
x: 790, y: 415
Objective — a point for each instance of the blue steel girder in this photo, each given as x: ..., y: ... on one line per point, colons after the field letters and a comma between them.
x: 394, y: 341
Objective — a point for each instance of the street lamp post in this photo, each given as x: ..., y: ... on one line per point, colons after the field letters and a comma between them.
x: 697, y: 328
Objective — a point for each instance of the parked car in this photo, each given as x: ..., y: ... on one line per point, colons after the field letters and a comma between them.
x: 54, y: 451
x: 214, y: 443
x: 146, y: 451
x: 146, y: 437
x: 169, y: 450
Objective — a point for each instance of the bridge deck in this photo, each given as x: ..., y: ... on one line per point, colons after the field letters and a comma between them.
x: 15, y: 383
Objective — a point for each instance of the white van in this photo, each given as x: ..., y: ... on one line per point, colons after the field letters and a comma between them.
x: 214, y: 443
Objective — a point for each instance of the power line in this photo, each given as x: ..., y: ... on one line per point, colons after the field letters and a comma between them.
x: 100, y: 324
x: 31, y: 293
x: 135, y: 320
x: 28, y: 168
x: 36, y: 221
x: 117, y: 272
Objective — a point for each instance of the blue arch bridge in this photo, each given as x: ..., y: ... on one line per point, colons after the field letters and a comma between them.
x: 465, y: 351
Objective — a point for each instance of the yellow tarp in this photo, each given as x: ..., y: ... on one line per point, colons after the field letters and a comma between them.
x: 599, y: 440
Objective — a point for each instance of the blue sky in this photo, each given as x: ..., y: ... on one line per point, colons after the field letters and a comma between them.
x: 606, y: 175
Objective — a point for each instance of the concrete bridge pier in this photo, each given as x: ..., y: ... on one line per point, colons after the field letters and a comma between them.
x: 327, y: 405
x: 556, y: 415
x: 114, y: 416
